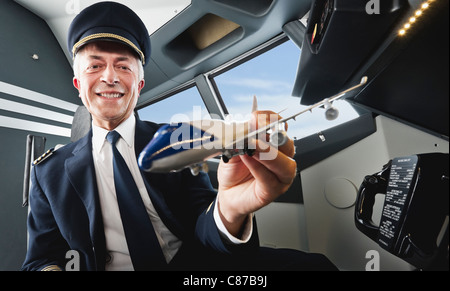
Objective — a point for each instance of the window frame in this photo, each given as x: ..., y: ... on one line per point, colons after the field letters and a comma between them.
x: 244, y: 58
x: 208, y: 88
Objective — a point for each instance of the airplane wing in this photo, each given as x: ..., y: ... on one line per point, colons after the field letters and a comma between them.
x: 270, y: 126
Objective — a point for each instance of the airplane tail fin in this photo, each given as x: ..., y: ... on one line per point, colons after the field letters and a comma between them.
x: 255, y: 104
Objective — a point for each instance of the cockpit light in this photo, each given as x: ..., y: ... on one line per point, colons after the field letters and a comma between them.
x: 412, y: 20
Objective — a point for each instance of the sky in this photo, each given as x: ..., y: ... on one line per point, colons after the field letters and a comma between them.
x: 270, y: 77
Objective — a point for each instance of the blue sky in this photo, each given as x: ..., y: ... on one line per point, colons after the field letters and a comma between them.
x: 270, y: 77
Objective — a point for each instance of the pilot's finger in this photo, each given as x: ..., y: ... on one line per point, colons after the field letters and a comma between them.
x: 264, y: 118
x: 287, y: 148
x: 276, y: 175
x: 277, y: 160
x: 262, y: 146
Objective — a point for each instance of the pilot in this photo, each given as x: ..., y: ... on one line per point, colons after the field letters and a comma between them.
x: 90, y: 201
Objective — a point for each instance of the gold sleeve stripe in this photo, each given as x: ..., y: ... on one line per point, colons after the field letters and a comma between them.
x: 52, y: 268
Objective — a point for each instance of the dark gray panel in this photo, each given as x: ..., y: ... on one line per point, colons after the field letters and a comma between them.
x: 23, y: 34
x: 311, y: 149
x: 13, y: 217
x: 410, y: 80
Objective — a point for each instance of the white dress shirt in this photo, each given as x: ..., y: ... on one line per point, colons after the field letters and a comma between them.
x: 116, y: 244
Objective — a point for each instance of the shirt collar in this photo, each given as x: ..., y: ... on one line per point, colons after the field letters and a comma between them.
x: 126, y: 130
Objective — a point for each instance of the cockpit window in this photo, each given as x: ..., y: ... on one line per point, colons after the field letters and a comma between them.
x: 270, y: 77
x: 184, y: 106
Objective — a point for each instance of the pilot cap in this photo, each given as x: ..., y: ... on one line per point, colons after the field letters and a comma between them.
x: 109, y: 21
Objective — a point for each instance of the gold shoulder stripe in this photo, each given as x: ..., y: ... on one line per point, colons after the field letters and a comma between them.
x: 209, y: 208
x: 44, y: 156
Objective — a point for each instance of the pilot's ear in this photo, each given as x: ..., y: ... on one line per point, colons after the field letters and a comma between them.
x: 141, y: 85
x: 76, y: 83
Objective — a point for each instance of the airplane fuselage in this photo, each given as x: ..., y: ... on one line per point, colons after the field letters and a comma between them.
x: 176, y: 146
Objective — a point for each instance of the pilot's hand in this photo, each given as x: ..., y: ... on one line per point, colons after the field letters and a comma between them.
x: 248, y: 183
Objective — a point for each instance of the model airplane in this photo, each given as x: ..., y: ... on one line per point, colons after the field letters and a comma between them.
x: 175, y: 147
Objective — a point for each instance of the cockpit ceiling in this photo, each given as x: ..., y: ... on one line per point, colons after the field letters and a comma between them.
x: 59, y: 14
x: 178, y: 54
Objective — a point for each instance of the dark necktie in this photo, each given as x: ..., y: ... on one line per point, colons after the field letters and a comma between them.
x: 143, y: 245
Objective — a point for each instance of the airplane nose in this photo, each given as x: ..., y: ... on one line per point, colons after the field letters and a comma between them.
x: 146, y: 157
x: 144, y: 162
x: 162, y: 154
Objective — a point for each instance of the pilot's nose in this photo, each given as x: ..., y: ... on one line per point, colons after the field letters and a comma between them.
x: 110, y: 75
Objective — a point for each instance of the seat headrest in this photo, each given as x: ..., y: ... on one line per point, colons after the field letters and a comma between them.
x: 82, y: 122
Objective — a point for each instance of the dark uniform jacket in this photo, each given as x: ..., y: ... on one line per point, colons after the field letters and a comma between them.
x: 66, y: 215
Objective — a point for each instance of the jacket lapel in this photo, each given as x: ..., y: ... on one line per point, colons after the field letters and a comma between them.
x: 81, y: 172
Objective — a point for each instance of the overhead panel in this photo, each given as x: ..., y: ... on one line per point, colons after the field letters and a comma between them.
x: 340, y: 36
x: 410, y: 80
x: 210, y: 29
x: 252, y: 7
x: 203, y: 38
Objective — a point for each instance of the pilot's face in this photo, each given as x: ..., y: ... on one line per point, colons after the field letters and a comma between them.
x: 108, y: 80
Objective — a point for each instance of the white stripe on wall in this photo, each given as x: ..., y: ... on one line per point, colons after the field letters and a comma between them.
x: 37, y: 97
x: 34, y: 111
x: 26, y: 125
